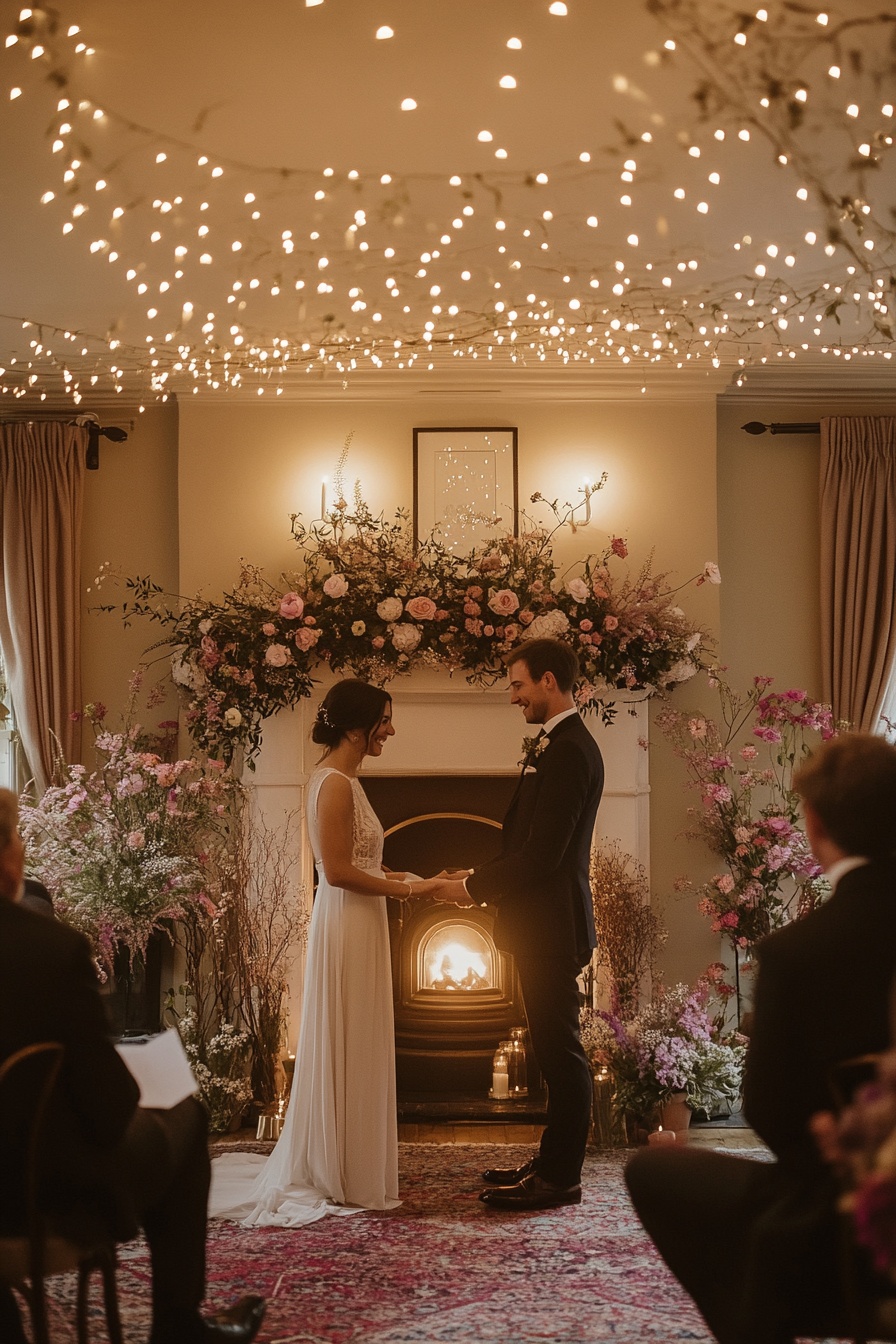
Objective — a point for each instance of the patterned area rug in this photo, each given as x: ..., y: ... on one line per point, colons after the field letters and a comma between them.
x: 441, y: 1269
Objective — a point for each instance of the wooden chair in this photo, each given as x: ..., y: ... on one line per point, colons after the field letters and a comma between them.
x: 26, y: 1082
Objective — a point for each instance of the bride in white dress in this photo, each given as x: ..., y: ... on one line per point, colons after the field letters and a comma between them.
x: 338, y: 1151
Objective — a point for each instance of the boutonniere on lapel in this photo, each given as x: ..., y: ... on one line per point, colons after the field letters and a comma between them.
x: 532, y: 749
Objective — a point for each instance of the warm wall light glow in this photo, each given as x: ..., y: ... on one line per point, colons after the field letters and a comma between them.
x: 385, y: 32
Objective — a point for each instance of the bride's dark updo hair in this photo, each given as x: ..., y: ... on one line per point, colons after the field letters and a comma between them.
x: 348, y: 705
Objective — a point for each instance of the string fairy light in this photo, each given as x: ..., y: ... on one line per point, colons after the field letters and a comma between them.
x: 497, y: 233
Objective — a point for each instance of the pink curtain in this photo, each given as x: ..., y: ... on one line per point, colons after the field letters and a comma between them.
x: 858, y: 564
x: 41, y: 493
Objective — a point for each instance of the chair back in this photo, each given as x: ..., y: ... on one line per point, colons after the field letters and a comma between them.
x: 27, y: 1079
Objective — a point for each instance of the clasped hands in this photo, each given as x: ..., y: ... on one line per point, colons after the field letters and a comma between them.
x: 447, y: 887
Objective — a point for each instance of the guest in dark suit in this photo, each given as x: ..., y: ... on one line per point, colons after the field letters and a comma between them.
x: 756, y: 1244
x: 113, y: 1166
x: 540, y: 886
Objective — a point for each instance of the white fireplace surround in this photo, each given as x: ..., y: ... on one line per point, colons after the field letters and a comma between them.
x: 444, y: 726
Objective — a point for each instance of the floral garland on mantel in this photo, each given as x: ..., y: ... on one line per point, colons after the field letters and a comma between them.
x: 365, y: 599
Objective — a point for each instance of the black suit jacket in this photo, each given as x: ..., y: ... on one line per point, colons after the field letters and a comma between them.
x: 49, y: 992
x: 540, y: 883
x: 822, y: 996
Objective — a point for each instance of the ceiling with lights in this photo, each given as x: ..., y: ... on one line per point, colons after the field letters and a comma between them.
x: 237, y: 199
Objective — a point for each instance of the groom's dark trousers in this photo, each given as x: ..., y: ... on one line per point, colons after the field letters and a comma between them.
x: 540, y: 885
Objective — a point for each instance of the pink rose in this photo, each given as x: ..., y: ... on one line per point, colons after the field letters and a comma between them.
x: 488, y: 630
x: 291, y: 607
x: 577, y: 589
x: 511, y: 632
x: 586, y: 625
x: 610, y: 622
x: 377, y: 641
x: 504, y: 602
x: 475, y: 591
x: 306, y: 639
x: 276, y: 655
x: 536, y: 586
x: 527, y: 617
x: 421, y: 608
x: 441, y: 615
x: 336, y: 585
x: 268, y: 629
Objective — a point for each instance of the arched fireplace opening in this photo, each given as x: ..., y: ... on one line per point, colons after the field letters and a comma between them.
x: 456, y: 995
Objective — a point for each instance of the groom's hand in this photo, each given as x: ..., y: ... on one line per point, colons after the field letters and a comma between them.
x: 451, y: 890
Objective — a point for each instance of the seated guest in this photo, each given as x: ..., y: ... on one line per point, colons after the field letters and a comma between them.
x: 36, y: 897
x: 754, y: 1243
x: 113, y: 1166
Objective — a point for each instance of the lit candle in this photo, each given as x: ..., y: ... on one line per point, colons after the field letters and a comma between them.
x: 500, y: 1083
x: 323, y: 498
x: 661, y: 1136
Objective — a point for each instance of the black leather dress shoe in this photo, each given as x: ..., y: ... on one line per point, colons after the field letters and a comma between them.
x: 531, y: 1193
x: 238, y: 1324
x: 508, y: 1175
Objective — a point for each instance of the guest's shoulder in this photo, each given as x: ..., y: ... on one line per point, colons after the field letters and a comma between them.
x: 24, y: 929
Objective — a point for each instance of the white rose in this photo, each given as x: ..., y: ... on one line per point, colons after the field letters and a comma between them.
x: 232, y: 718
x: 711, y: 572
x: 184, y: 672
x: 406, y: 638
x: 550, y: 625
x: 578, y: 590
x: 389, y: 609
x: 277, y: 655
x: 336, y: 585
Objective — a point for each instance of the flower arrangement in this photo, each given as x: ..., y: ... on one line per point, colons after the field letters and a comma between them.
x: 672, y: 1045
x: 221, y: 1068
x: 367, y: 599
x: 860, y: 1144
x: 131, y: 844
x: 742, y: 765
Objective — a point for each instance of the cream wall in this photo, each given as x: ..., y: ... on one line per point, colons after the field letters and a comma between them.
x: 769, y: 538
x: 130, y: 520
x: 243, y: 469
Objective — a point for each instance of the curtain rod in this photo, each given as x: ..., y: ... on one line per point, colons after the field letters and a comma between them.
x: 783, y: 427
x: 95, y: 431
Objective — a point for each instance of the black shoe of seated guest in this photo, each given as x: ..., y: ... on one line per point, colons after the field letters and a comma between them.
x: 531, y: 1193
x: 238, y: 1324
x: 508, y: 1175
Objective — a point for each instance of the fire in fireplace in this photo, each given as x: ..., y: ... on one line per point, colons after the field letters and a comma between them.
x: 456, y: 996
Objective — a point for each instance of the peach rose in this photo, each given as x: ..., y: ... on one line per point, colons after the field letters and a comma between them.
x: 504, y: 602
x: 421, y: 608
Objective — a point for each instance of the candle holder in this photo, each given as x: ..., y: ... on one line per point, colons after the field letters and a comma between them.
x: 269, y: 1126
x: 609, y: 1127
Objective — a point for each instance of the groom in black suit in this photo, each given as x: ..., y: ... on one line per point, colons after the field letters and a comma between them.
x: 540, y: 886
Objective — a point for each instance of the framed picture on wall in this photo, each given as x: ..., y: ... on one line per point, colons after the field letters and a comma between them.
x: 465, y: 484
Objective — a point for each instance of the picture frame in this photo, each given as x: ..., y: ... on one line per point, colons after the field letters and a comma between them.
x: 465, y: 484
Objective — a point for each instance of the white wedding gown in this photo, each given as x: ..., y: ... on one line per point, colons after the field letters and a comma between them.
x: 338, y: 1152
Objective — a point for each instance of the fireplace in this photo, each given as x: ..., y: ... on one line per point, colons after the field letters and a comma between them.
x: 456, y: 996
